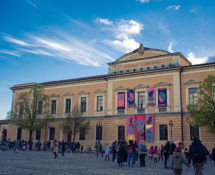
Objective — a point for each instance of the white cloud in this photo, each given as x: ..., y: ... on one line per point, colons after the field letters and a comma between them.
x: 194, y: 10
x: 196, y: 60
x: 174, y: 7
x: 170, y: 47
x: 9, y: 53
x: 143, y: 1
x: 123, y: 33
x: 34, y: 3
x: 65, y: 47
x: 15, y: 41
x: 104, y: 21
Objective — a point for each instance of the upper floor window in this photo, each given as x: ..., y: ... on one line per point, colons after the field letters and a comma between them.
x: 83, y: 104
x: 193, y: 95
x: 40, y: 107
x: 163, y: 131
x: 121, y: 132
x: 68, y: 105
x: 194, y: 132
x: 99, y: 103
x: 53, y: 106
x: 141, y: 101
x: 21, y: 110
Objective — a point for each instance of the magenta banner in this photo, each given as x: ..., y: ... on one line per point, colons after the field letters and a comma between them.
x: 151, y: 96
x: 140, y: 128
x: 121, y: 100
x: 131, y: 128
x: 149, y: 122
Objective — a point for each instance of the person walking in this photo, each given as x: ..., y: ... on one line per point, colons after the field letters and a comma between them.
x: 197, y: 154
x: 63, y: 147
x: 131, y: 153
x: 97, y: 147
x: 171, y: 150
x: 142, y: 151
x: 113, y: 150
x: 166, y: 153
x: 155, y: 154
x: 107, y: 152
x: 55, y: 150
x: 120, y: 154
x: 177, y: 162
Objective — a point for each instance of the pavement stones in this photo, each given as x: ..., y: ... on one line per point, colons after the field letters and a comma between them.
x: 43, y: 163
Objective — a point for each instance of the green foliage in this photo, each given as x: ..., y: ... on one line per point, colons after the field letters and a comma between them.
x: 30, y: 118
x: 74, y: 121
x: 203, y: 112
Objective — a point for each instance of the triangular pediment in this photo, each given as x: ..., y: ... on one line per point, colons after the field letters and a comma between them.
x: 83, y: 92
x: 119, y: 88
x: 192, y: 81
x: 162, y: 84
x: 141, y: 86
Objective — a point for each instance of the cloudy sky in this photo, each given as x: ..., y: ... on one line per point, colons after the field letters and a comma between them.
x: 45, y: 40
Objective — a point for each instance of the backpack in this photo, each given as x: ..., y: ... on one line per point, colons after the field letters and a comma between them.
x: 130, y: 150
x: 198, y: 154
x: 143, y: 149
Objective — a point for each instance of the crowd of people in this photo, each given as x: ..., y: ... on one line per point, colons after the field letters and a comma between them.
x: 172, y: 155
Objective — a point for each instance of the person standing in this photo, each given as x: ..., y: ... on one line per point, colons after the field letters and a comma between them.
x: 107, y: 152
x: 166, y: 153
x: 55, y: 150
x: 177, y: 162
x: 97, y: 147
x: 113, y: 150
x: 197, y: 154
x: 63, y: 147
x: 171, y: 150
x: 142, y: 151
x: 213, y: 154
x: 131, y: 153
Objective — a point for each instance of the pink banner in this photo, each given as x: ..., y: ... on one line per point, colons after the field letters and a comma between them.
x: 121, y: 100
x: 151, y: 96
x: 149, y: 122
x: 131, y: 127
x: 140, y: 128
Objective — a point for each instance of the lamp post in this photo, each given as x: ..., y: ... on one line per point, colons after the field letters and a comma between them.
x: 171, y: 125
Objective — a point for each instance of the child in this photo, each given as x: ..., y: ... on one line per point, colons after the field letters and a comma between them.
x: 177, y: 162
x: 107, y: 152
x: 186, y: 152
x: 150, y: 153
x: 155, y: 154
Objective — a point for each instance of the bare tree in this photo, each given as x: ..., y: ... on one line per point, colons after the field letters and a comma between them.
x: 74, y: 121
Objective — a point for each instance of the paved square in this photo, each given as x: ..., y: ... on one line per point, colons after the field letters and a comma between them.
x: 43, y: 163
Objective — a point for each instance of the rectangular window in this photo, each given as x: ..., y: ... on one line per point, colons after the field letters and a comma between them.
x: 99, y: 103
x: 163, y: 130
x: 82, y: 133
x: 51, y: 133
x: 53, y: 106
x: 121, y: 132
x: 21, y: 110
x: 19, y: 134
x: 194, y: 132
x: 38, y: 135
x: 193, y: 95
x: 83, y: 104
x: 40, y: 107
x: 99, y: 133
x: 141, y: 102
x: 68, y: 105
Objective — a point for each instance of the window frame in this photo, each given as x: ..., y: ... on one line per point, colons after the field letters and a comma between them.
x: 70, y: 106
x: 190, y: 137
x: 97, y: 102
x: 123, y: 137
x: 80, y: 134
x: 99, y: 137
x: 167, y: 132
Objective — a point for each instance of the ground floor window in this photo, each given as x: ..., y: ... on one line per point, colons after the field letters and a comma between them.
x: 163, y: 131
x: 38, y: 135
x: 51, y: 133
x: 82, y: 133
x: 19, y: 134
x: 194, y: 132
x: 98, y: 132
x: 121, y: 132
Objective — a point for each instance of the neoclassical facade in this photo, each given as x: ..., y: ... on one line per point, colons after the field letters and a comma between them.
x: 162, y: 84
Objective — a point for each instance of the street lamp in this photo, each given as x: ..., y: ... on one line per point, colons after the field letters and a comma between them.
x: 171, y: 125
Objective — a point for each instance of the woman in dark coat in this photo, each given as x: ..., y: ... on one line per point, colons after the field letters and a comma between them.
x: 166, y: 150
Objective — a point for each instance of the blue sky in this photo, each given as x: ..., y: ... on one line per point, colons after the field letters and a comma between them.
x: 45, y: 40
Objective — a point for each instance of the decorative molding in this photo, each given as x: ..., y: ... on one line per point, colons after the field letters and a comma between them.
x: 102, y: 91
x: 83, y: 92
x: 141, y: 86
x: 192, y: 81
x: 162, y: 83
x: 54, y: 95
x: 121, y: 88
x: 68, y: 94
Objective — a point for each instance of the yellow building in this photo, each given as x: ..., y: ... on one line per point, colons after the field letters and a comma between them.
x: 97, y: 97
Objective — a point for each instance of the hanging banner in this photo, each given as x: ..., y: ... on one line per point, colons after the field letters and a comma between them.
x: 149, y: 129
x: 140, y: 128
x: 131, y: 99
x: 162, y: 97
x: 121, y: 100
x: 131, y: 128
x: 151, y: 96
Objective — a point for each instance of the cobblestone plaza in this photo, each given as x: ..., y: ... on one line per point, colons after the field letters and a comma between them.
x: 43, y: 163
